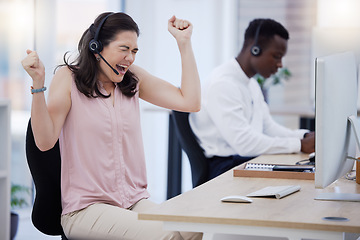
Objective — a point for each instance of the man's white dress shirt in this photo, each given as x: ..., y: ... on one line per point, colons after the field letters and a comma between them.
x: 235, y: 120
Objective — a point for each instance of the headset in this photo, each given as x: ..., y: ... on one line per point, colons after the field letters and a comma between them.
x: 256, y: 49
x: 96, y: 46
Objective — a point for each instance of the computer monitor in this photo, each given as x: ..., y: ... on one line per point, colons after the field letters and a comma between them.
x: 335, y: 120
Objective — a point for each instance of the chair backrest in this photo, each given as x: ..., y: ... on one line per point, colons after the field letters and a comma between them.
x: 45, y: 170
x: 198, y: 162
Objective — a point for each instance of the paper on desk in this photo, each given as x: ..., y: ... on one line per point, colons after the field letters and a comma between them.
x: 275, y: 191
x: 259, y: 166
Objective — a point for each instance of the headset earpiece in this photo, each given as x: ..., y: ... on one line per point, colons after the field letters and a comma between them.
x: 95, y: 45
x: 256, y: 49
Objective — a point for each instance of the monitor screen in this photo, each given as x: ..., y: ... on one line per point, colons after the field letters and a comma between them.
x: 335, y: 101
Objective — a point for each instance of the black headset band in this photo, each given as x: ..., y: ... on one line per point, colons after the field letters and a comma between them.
x: 100, y: 26
x: 257, y: 33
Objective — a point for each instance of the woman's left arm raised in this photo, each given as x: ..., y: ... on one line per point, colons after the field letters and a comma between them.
x: 187, y: 98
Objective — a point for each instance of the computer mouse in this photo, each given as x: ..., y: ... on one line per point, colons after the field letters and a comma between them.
x: 237, y: 199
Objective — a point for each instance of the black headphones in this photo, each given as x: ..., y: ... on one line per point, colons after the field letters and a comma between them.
x: 95, y: 45
x: 256, y: 49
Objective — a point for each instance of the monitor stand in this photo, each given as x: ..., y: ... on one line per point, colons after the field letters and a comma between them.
x: 353, y: 121
x: 348, y: 197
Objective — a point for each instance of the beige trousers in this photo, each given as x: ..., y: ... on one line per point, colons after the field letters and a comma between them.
x: 107, y: 222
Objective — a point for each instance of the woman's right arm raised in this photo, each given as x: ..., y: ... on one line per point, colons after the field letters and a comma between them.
x: 47, y: 119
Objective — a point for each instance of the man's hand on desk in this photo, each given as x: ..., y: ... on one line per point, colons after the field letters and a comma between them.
x: 308, y: 143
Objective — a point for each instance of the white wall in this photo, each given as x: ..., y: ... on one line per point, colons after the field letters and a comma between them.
x: 337, y: 30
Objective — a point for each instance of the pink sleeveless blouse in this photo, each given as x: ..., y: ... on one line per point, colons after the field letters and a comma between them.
x: 102, y: 152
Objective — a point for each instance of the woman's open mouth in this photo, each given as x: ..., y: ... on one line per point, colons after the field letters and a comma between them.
x: 121, y: 69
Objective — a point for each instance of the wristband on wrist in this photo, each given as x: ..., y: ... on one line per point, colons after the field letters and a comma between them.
x: 37, y: 90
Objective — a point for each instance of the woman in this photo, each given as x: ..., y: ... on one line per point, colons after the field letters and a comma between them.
x: 93, y: 109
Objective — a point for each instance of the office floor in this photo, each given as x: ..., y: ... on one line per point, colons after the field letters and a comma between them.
x: 27, y: 231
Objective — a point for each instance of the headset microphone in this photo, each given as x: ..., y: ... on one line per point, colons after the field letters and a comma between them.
x: 96, y: 46
x: 115, y: 71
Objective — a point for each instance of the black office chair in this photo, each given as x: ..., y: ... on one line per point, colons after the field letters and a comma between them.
x: 198, y: 162
x: 45, y: 170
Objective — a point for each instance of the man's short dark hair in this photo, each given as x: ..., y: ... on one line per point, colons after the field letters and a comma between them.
x: 268, y: 29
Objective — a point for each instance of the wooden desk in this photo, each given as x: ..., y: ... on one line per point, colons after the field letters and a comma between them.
x: 294, y: 217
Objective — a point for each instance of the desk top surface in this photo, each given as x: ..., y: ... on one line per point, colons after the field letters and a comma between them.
x: 298, y: 210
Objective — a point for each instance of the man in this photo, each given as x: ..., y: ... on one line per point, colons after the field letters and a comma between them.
x: 234, y: 123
